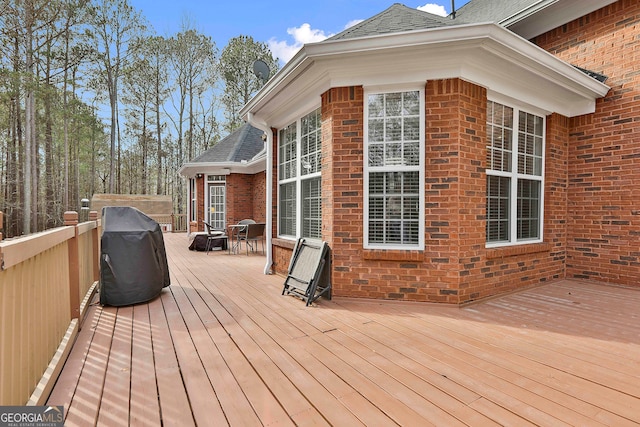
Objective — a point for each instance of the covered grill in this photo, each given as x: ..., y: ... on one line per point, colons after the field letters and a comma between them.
x: 133, y: 261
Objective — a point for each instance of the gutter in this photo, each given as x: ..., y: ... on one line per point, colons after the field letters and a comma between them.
x: 269, y: 188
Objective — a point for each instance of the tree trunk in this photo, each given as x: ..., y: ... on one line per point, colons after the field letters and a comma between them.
x: 28, y: 215
x: 159, y: 133
x: 112, y: 103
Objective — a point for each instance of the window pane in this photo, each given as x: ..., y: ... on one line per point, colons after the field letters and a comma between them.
x: 530, y: 144
x: 287, y: 212
x: 376, y: 130
x: 393, y: 104
x: 287, y: 152
x: 311, y: 208
x: 376, y: 155
x: 311, y: 143
x: 498, y: 189
x: 528, y: 209
x: 394, y: 119
x: 412, y: 154
x: 411, y: 104
x: 393, y: 130
x: 499, y: 136
x: 394, y: 207
x: 376, y: 105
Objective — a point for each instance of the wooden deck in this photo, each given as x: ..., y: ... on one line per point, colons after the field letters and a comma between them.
x: 221, y: 346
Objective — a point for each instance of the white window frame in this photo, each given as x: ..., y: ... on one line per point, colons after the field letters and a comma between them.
x: 221, y: 182
x: 515, y: 177
x: 193, y: 203
x: 420, y: 168
x: 298, y: 177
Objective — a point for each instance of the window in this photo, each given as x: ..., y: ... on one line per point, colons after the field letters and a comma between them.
x: 299, y: 199
x: 217, y: 201
x: 394, y: 180
x: 514, y: 194
x: 194, y: 203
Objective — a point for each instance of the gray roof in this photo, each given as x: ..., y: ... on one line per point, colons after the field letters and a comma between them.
x: 242, y: 144
x: 400, y: 18
x: 477, y: 11
x: 395, y: 19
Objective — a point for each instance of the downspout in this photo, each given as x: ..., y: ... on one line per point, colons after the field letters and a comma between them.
x: 269, y: 172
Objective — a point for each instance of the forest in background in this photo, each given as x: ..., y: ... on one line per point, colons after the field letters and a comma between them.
x: 92, y: 100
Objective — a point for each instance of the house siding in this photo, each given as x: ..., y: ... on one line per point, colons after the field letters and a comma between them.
x: 603, y: 241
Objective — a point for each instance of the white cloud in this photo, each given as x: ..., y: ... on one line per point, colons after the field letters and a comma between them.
x: 433, y: 8
x: 285, y: 50
x: 352, y: 23
x: 301, y: 35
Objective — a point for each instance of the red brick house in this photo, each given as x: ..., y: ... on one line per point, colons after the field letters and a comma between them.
x: 449, y: 160
x: 226, y: 183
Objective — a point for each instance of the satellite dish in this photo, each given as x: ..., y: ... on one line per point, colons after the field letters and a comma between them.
x: 261, y: 70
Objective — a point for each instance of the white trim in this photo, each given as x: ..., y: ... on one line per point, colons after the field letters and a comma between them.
x: 208, y: 186
x: 485, y: 54
x: 394, y: 168
x: 546, y: 15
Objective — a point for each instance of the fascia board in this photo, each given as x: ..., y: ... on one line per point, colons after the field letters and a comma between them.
x: 255, y: 165
x: 549, y: 14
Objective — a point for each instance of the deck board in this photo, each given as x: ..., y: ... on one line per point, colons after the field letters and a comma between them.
x: 222, y: 346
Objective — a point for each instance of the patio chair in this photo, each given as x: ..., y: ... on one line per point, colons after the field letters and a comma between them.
x: 307, y: 277
x: 213, y: 237
x: 251, y: 234
x: 237, y: 231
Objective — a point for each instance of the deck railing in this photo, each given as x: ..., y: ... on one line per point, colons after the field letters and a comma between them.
x: 174, y: 223
x: 46, y: 280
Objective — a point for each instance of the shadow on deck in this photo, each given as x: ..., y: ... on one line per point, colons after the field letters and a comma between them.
x: 222, y: 346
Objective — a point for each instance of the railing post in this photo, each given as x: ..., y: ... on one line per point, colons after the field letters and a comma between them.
x: 71, y: 219
x: 93, y: 216
x: 173, y: 222
x: 1, y: 224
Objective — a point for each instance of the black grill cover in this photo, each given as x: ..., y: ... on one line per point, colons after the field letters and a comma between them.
x: 133, y: 261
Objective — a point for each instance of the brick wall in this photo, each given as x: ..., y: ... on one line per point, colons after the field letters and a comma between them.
x: 259, y: 188
x: 240, y: 196
x: 455, y: 266
x: 342, y: 180
x: 199, y: 226
x: 245, y: 199
x: 604, y: 148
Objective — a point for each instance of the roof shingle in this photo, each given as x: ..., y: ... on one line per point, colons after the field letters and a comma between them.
x: 395, y: 19
x: 242, y: 144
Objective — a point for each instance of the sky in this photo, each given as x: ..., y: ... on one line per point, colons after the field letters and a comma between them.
x: 285, y: 25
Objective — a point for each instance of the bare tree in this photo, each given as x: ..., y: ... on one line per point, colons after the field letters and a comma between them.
x: 115, y: 24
